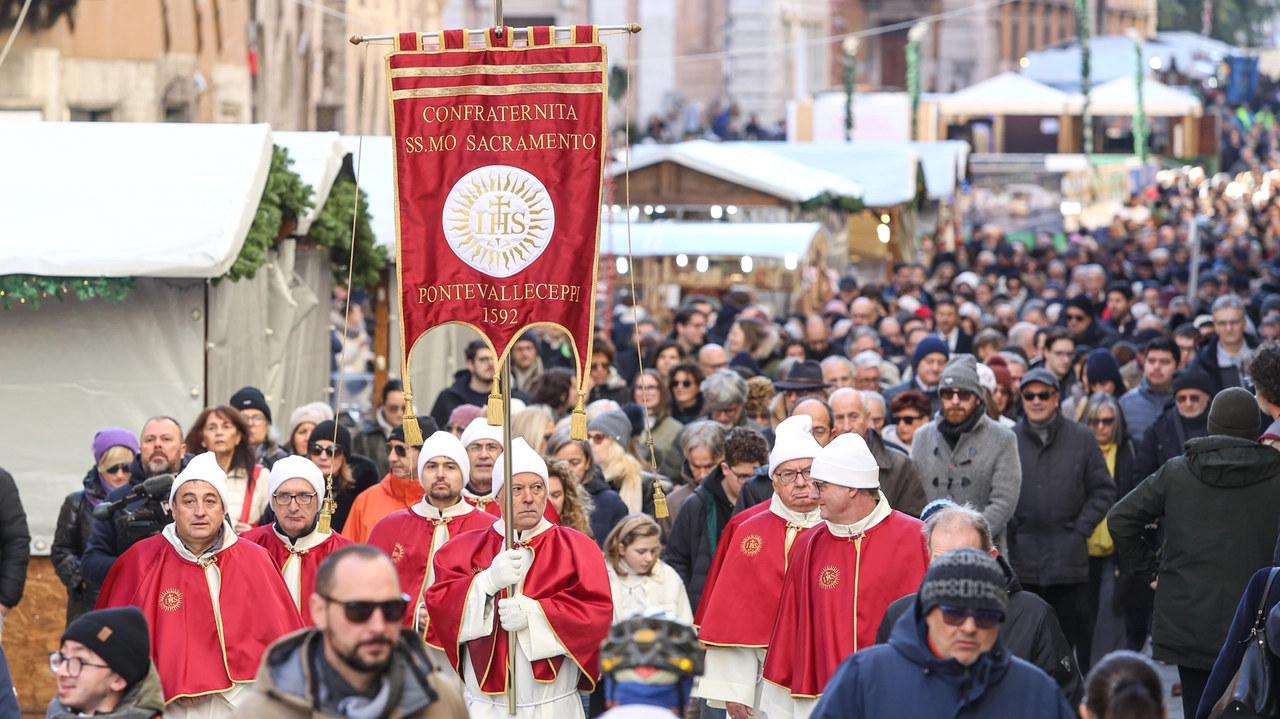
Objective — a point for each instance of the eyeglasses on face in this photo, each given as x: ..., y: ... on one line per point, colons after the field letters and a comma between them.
x: 456, y: 429
x: 951, y: 393
x: 909, y: 419
x: 597, y: 437
x: 401, y: 450
x: 789, y: 476
x: 283, y: 500
x: 1188, y: 398
x: 1102, y: 421
x: 74, y: 664
x: 1076, y: 317
x: 330, y: 451
x: 116, y: 469
x: 1037, y: 396
x: 490, y: 447
x: 983, y: 618
x: 681, y: 383
x: 359, y: 612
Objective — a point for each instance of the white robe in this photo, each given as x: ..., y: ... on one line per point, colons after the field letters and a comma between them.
x: 439, y: 535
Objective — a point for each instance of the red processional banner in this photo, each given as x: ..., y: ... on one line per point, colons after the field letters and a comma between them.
x: 499, y: 166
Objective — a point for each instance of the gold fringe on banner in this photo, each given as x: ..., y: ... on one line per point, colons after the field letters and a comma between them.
x: 412, y: 432
x: 578, y: 425
x: 495, y: 399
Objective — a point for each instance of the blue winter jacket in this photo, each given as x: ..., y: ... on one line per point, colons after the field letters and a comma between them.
x: 904, y: 679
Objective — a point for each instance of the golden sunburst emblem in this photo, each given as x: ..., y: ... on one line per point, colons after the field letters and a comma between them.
x: 498, y: 219
x: 397, y: 553
x: 829, y: 577
x: 751, y: 545
x: 170, y: 600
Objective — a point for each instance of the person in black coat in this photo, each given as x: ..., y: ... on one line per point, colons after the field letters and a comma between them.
x: 607, y: 506
x: 1232, y: 653
x: 1187, y: 419
x: 1229, y: 324
x: 703, y: 516
x: 15, y: 546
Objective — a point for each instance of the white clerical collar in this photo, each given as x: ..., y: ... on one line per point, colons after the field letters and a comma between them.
x: 526, y: 535
x: 430, y: 511
x: 311, y: 540
x: 878, y: 515
x: 804, y: 519
x: 170, y: 533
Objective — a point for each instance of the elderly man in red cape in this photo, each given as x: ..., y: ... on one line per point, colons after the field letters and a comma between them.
x: 737, y: 632
x: 412, y: 537
x: 843, y: 576
x: 214, y: 603
x: 560, y: 611
x: 295, y: 489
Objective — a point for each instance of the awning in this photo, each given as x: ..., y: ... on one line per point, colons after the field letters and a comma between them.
x: 887, y: 172
x: 667, y: 238
x: 317, y: 158
x: 377, y: 179
x: 1119, y: 97
x: 120, y: 199
x: 1005, y: 94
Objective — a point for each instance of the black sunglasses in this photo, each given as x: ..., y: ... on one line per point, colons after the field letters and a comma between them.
x: 401, y: 450
x: 983, y: 618
x: 681, y: 383
x: 947, y: 394
x: 1042, y: 396
x: 117, y: 468
x: 330, y: 451
x: 359, y: 612
x: 908, y: 419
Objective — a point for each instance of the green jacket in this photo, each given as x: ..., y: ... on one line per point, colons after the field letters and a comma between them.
x: 144, y: 700
x: 1219, y: 504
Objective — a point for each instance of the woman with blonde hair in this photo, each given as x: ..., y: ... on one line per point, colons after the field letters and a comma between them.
x: 638, y: 578
x: 649, y: 391
x: 573, y: 504
x: 535, y: 425
x: 610, y: 435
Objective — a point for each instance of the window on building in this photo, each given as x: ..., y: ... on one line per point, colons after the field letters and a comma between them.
x: 81, y: 114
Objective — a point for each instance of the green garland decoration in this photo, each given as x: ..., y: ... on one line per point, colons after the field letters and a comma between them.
x: 332, y: 229
x: 284, y: 198
x: 835, y: 202
x: 30, y: 289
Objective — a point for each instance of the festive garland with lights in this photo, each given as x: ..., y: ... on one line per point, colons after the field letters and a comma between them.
x: 31, y: 289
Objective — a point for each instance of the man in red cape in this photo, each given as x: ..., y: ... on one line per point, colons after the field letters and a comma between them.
x: 412, y: 537
x: 483, y: 444
x: 560, y: 612
x: 843, y: 576
x: 295, y: 490
x: 736, y: 632
x: 214, y: 603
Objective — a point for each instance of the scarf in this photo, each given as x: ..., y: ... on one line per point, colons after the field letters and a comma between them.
x: 951, y: 432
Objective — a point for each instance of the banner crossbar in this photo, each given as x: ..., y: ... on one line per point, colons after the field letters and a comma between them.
x: 562, y: 33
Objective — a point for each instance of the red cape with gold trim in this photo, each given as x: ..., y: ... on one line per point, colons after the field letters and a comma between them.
x: 717, y: 562
x: 192, y: 654
x: 406, y: 537
x: 266, y: 537
x: 835, y: 596
x: 754, y: 567
x: 568, y: 578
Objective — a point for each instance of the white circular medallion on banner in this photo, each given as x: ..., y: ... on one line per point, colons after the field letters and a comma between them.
x: 498, y: 219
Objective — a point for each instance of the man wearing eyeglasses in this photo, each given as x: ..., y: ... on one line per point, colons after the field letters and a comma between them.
x: 938, y: 651
x: 1187, y: 418
x: 358, y: 661
x: 1223, y: 358
x: 398, y: 490
x: 551, y: 590
x: 753, y: 561
x: 1066, y: 492
x: 1084, y: 327
x: 297, y: 547
x: 842, y: 576
x: 484, y: 445
x: 103, y: 668
x: 214, y: 603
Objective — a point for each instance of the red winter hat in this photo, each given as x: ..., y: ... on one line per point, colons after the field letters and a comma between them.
x: 1000, y: 367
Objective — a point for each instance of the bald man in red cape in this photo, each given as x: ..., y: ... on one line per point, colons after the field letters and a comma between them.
x: 560, y: 613
x: 214, y: 603
x: 844, y: 573
x: 294, y: 540
x: 754, y: 563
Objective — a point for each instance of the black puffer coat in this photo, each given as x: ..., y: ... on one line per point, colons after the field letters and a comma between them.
x: 75, y: 524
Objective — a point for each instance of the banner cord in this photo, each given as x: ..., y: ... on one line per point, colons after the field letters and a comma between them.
x: 330, y: 504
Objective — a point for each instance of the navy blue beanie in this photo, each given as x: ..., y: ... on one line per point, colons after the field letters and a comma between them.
x: 1101, y: 366
x: 927, y: 346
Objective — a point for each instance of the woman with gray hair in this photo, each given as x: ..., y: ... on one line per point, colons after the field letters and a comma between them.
x: 724, y: 394
x: 702, y: 444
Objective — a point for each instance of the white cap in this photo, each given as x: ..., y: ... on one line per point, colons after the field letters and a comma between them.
x: 966, y: 278
x: 793, y: 439
x: 295, y: 467
x: 987, y: 378
x: 847, y: 462
x: 523, y: 459
x: 478, y: 429
x: 444, y: 444
x: 203, y: 467
x: 908, y: 303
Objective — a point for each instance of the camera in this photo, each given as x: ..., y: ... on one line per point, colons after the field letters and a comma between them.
x: 148, y: 520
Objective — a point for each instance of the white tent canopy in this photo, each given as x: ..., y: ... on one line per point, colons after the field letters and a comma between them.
x: 748, y: 164
x: 1005, y: 94
x: 377, y: 179
x: 121, y: 199
x: 886, y: 171
x: 1119, y: 97
x: 667, y: 238
x: 317, y: 158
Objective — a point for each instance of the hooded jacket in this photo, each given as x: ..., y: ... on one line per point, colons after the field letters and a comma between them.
x: 1220, y: 500
x: 286, y: 685
x: 904, y: 678
x: 144, y: 700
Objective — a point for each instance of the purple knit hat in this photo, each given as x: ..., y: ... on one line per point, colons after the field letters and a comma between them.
x: 113, y: 437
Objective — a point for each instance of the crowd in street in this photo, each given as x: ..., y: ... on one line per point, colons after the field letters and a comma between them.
x: 987, y: 487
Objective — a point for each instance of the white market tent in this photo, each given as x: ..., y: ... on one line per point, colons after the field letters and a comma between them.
x: 1005, y: 94
x: 170, y: 205
x: 770, y: 240
x: 1119, y: 97
x: 1113, y: 56
x: 317, y: 158
x: 749, y: 164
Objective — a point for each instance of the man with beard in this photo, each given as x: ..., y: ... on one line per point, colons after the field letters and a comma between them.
x: 296, y: 545
x: 161, y: 451
x: 966, y: 456
x: 399, y: 489
x: 358, y: 661
x: 411, y: 537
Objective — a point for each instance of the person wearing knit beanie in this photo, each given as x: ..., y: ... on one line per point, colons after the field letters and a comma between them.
x: 1234, y: 413
x: 301, y: 422
x: 965, y: 578
x: 203, y: 468
x: 793, y: 439
x: 613, y: 424
x: 117, y: 640
x: 114, y: 437
x: 1193, y: 378
x: 961, y: 373
x: 444, y: 445
x: 1000, y: 366
x: 927, y: 346
x: 1101, y: 369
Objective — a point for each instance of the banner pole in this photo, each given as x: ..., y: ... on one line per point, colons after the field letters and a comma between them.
x: 508, y: 517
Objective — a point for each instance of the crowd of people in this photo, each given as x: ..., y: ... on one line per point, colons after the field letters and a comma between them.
x: 989, y: 483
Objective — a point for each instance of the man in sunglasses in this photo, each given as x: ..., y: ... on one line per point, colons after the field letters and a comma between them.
x: 842, y: 576
x: 1084, y: 326
x: 551, y: 590
x: 398, y: 490
x: 753, y: 561
x: 297, y: 547
x: 1066, y: 492
x: 358, y: 661
x: 213, y: 602
x: 945, y: 654
x: 103, y: 668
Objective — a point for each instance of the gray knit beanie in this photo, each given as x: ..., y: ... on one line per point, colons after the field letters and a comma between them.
x: 613, y: 423
x: 961, y: 372
x: 1235, y: 413
x: 966, y: 578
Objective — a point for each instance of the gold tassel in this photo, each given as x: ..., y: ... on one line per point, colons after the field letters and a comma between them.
x: 578, y: 425
x: 495, y: 401
x: 659, y: 501
x: 328, y: 507
x: 412, y: 432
